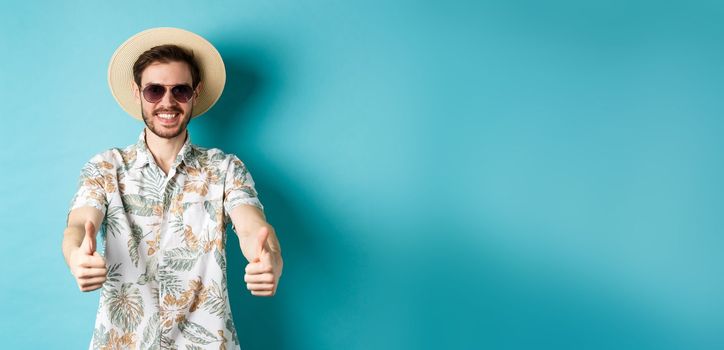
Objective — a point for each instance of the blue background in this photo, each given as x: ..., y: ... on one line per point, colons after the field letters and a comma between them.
x: 464, y: 175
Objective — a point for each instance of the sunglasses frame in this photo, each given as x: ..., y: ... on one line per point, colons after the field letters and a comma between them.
x: 166, y: 90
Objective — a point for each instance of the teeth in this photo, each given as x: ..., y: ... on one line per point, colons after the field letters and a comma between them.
x: 166, y: 116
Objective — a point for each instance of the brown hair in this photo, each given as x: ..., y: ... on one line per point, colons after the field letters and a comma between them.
x: 166, y: 54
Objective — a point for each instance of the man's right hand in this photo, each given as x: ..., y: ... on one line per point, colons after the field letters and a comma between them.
x: 86, y: 264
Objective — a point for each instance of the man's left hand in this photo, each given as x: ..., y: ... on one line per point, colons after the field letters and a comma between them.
x: 263, y: 272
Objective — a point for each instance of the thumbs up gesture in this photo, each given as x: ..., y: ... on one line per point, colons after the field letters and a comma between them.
x: 86, y: 264
x: 263, y: 272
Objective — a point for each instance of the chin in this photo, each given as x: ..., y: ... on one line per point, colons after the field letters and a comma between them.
x: 167, y: 134
x: 164, y: 132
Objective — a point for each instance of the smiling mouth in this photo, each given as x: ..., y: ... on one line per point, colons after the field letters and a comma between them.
x: 168, y: 118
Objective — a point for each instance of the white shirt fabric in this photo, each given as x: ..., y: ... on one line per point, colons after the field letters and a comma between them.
x: 165, y: 238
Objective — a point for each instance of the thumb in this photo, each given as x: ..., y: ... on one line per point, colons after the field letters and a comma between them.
x: 88, y: 246
x: 261, y: 240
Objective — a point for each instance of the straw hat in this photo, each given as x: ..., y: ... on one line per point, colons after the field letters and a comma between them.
x: 120, y: 69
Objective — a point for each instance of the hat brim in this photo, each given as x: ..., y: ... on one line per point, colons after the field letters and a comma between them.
x: 211, y: 66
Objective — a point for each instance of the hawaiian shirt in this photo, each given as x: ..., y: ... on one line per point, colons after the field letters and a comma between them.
x: 164, y: 238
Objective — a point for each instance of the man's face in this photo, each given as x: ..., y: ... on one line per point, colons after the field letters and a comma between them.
x: 156, y: 115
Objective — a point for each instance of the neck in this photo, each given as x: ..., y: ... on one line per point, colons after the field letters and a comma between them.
x: 164, y: 150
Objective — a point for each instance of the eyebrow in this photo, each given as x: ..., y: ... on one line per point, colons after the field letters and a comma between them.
x: 152, y: 83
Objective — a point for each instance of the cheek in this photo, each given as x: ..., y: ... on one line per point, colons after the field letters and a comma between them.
x: 188, y: 109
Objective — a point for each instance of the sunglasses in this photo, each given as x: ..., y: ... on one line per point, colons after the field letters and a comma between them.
x: 155, y: 92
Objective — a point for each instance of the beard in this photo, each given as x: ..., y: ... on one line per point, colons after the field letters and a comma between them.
x: 164, y: 132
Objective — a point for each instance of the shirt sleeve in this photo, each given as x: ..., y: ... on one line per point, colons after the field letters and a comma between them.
x: 238, y: 188
x: 91, y: 189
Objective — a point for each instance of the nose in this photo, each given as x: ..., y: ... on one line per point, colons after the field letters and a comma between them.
x: 167, y: 99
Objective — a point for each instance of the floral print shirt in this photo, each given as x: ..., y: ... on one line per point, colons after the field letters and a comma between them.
x: 164, y: 238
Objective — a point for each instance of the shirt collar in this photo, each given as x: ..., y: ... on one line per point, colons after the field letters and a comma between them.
x: 144, y: 156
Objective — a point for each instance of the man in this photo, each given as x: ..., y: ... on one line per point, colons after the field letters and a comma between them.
x: 163, y: 205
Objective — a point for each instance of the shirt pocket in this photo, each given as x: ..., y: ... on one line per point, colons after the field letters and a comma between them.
x: 203, y: 222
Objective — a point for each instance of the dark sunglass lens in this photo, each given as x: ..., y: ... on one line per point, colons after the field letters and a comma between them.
x: 154, y: 93
x: 182, y: 93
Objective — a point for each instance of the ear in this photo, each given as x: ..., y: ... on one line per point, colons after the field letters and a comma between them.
x: 198, y: 89
x: 136, y: 92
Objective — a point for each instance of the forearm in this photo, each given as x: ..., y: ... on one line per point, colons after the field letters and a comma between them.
x: 75, y: 231
x: 247, y: 222
x: 72, y: 239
